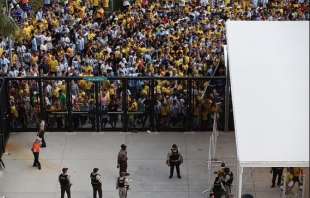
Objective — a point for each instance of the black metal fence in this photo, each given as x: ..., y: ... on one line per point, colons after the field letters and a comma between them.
x: 115, y: 104
x: 4, y: 132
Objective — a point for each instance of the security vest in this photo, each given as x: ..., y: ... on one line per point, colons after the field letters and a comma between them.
x: 36, y: 147
x: 174, y: 157
x: 63, y: 180
x: 93, y: 179
x: 121, y: 182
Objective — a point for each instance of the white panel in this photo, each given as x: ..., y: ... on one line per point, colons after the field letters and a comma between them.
x: 269, y: 71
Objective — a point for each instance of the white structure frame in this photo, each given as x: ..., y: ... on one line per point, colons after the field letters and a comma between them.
x: 269, y: 72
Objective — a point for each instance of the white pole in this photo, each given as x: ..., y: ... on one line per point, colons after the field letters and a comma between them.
x: 240, y: 182
x: 284, y: 185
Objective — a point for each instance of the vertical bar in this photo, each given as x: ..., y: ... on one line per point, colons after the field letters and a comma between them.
x: 97, y: 105
x: 125, y: 104
x: 69, y: 105
x: 190, y: 108
x: 240, y: 172
x: 227, y: 97
x: 152, y: 104
x: 42, y: 110
x: 284, y: 186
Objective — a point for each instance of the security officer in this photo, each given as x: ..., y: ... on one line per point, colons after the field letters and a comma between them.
x: 36, y: 148
x: 276, y: 172
x: 174, y: 159
x: 122, y: 160
x: 96, y: 182
x: 122, y: 185
x: 65, y: 183
x: 41, y: 133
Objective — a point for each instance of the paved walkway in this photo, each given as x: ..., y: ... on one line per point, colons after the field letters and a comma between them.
x: 81, y: 152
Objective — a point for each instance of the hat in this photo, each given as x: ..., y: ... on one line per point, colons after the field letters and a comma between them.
x: 123, y: 146
x: 95, y: 170
x: 64, y: 170
x: 174, y: 146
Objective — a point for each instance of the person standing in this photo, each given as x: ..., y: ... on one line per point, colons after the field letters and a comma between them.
x: 122, y: 160
x: 122, y: 185
x: 41, y: 133
x: 96, y: 182
x: 65, y: 183
x: 36, y: 148
x: 174, y: 159
x: 276, y: 172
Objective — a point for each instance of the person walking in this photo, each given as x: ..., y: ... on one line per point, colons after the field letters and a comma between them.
x: 36, y: 148
x: 122, y: 185
x: 122, y: 160
x: 96, y: 182
x: 65, y: 183
x: 174, y: 159
x: 41, y: 133
x: 276, y: 172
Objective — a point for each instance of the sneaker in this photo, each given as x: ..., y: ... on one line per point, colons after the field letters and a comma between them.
x: 170, y: 177
x: 179, y: 177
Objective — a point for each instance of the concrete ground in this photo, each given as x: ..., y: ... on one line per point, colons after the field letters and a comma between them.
x: 81, y: 152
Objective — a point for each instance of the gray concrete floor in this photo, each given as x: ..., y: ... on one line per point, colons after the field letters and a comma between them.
x: 81, y: 152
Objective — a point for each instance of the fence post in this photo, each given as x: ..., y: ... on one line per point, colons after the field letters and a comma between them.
x: 97, y: 105
x: 152, y: 104
x: 125, y: 104
x: 189, y: 107
x: 69, y: 105
x: 42, y: 110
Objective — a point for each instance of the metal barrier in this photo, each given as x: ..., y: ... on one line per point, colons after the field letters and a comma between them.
x: 4, y: 133
x: 116, y: 103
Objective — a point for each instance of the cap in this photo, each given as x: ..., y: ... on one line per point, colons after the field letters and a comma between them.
x: 64, y: 169
x: 95, y: 170
x: 174, y: 146
x: 123, y: 146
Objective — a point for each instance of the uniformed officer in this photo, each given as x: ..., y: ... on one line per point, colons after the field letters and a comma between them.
x: 36, y: 148
x: 41, y: 133
x: 276, y: 172
x: 122, y: 185
x: 96, y: 182
x: 122, y: 160
x: 65, y: 183
x: 174, y: 159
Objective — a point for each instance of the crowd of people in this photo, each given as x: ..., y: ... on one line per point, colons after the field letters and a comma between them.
x: 153, y: 38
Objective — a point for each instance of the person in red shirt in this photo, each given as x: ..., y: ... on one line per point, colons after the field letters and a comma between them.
x: 36, y: 148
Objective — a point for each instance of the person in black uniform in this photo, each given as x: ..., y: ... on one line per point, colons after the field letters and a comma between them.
x: 276, y: 172
x: 174, y: 159
x: 96, y: 182
x: 122, y: 160
x: 41, y: 133
x: 65, y: 183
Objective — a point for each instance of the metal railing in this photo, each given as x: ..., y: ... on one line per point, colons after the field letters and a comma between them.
x: 135, y: 103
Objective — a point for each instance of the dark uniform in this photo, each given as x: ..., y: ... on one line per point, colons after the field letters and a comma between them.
x: 122, y: 185
x: 65, y: 184
x: 174, y: 159
x: 41, y: 133
x: 276, y: 172
x: 96, y: 182
x: 122, y: 160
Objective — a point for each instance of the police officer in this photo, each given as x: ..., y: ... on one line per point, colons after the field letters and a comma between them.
x: 65, y: 183
x: 41, y: 133
x: 36, y: 148
x: 96, y: 182
x: 174, y: 159
x: 122, y: 185
x: 276, y: 172
x: 122, y: 160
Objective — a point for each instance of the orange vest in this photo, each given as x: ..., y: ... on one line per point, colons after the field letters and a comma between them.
x: 36, y: 147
